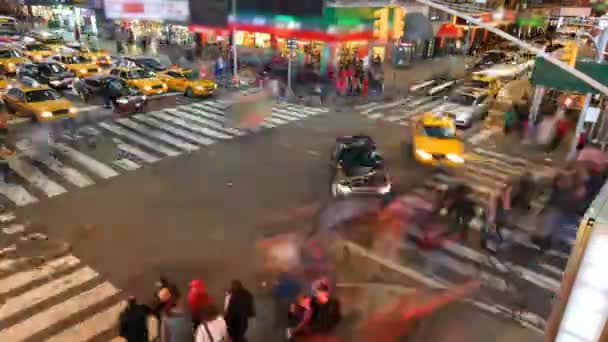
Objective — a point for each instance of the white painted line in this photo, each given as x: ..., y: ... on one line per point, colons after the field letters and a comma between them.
x: 17, y: 194
x: 179, y: 132
x: 275, y: 121
x: 215, y: 105
x: 137, y: 152
x: 96, y: 167
x: 92, y: 326
x: 51, y: 316
x: 502, y: 156
x: 483, y: 135
x: 10, y: 249
x: 34, y: 176
x: 205, y: 121
x: 185, y: 124
x: 441, y: 87
x: 277, y: 114
x: 14, y: 229
x: 375, y: 116
x: 415, y: 111
x: 156, y: 134
x: 7, y: 217
x: 365, y: 106
x: 88, y: 108
x: 126, y: 164
x: 17, y: 121
x: 556, y: 271
x: 14, y: 305
x: 387, y: 105
x: 23, y: 278
x: 154, y: 146
x: 219, y: 113
x: 422, y: 85
x: 288, y: 112
x: 307, y: 109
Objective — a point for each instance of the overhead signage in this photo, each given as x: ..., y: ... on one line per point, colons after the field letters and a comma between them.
x: 84, y: 3
x: 169, y: 10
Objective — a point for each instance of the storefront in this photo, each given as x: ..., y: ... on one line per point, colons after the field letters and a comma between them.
x: 68, y: 15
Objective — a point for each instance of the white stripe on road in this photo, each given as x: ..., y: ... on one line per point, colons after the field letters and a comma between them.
x: 219, y: 113
x: 13, y: 305
x: 501, y: 156
x: 92, y: 326
x: 137, y: 152
x: 154, y: 146
x: 414, y: 111
x: 182, y: 133
x: 387, y: 105
x: 55, y: 314
x: 441, y: 87
x: 365, y: 106
x: 45, y: 271
x: 205, y: 122
x: 156, y: 134
x: 288, y: 112
x: 38, y: 179
x: 96, y: 167
x: 88, y: 108
x: 483, y: 135
x: 282, y: 116
x: 422, y: 85
x: 185, y: 124
x: 307, y: 109
x: 17, y: 194
x: 126, y: 164
x: 275, y: 121
x: 7, y: 217
x: 14, y: 229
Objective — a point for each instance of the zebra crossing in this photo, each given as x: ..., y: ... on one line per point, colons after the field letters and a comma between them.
x: 139, y: 140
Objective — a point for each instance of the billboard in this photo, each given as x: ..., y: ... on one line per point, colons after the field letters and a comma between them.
x: 170, y: 10
x: 308, y: 8
x: 213, y: 13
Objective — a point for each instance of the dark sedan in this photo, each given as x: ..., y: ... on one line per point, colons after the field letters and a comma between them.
x: 97, y: 89
x: 52, y: 73
x: 150, y: 64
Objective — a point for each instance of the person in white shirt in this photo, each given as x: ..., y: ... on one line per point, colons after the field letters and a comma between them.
x: 212, y: 328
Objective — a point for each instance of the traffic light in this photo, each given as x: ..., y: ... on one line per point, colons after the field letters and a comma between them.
x: 381, y: 24
x: 398, y: 22
x: 569, y: 53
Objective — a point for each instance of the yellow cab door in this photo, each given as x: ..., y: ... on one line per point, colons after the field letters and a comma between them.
x: 176, y: 80
x: 15, y: 100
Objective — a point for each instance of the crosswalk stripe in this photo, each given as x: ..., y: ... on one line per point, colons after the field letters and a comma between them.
x: 215, y: 105
x: 157, y: 134
x: 70, y: 174
x: 47, y: 318
x: 210, y: 109
x: 23, y: 278
x: 28, y: 299
x: 92, y: 326
x: 275, y: 121
x: 290, y: 113
x: 113, y: 128
x: 387, y: 105
x: 13, y: 229
x: 183, y: 123
x: 200, y: 119
x: 309, y: 110
x: 412, y: 112
x: 184, y: 134
x: 281, y: 116
x: 17, y: 194
x: 483, y: 135
x: 8, y: 217
x: 96, y: 167
x: 34, y: 176
x: 365, y: 106
x: 501, y: 156
x: 137, y: 152
x: 126, y: 164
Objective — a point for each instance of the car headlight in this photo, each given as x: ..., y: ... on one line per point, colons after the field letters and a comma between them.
x: 83, y: 71
x: 38, y: 58
x: 147, y: 88
x: 94, y: 59
x: 342, y: 189
x: 122, y: 100
x: 164, y: 85
x: 199, y: 87
x: 11, y: 65
x: 143, y: 97
x: 55, y: 83
x: 424, y: 155
x: 214, y: 85
x: 455, y: 158
x: 46, y: 114
x: 385, y: 189
x: 72, y: 110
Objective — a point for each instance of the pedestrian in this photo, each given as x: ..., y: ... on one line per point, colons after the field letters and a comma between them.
x: 462, y: 212
x: 198, y: 300
x: 284, y: 292
x: 212, y: 328
x: 132, y: 322
x: 326, y: 314
x: 509, y: 118
x: 299, y: 317
x: 77, y: 33
x: 176, y: 324
x: 239, y: 307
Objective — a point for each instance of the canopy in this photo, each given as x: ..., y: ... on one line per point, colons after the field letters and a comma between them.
x: 449, y: 31
x: 551, y: 76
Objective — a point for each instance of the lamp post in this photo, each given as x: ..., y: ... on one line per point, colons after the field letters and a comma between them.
x: 235, y: 71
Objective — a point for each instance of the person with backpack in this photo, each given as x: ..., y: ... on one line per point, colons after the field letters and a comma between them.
x: 176, y: 324
x: 133, y: 322
x: 212, y: 327
x: 239, y: 308
x: 326, y: 313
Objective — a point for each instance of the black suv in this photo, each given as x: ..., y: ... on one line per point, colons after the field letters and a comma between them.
x: 95, y: 88
x: 52, y: 73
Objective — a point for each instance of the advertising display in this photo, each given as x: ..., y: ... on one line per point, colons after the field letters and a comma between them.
x: 170, y: 10
x: 309, y: 8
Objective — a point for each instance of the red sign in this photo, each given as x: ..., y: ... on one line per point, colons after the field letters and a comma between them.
x: 133, y: 7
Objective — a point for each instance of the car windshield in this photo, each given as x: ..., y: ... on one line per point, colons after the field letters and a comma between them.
x: 9, y: 54
x: 192, y: 75
x: 479, y: 84
x: 37, y: 47
x: 56, y: 67
x: 42, y: 95
x: 75, y: 60
x: 441, y: 132
x: 357, y: 156
x: 139, y: 74
x: 462, y: 99
x: 152, y: 64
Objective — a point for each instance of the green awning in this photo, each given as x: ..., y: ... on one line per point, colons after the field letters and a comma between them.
x: 530, y: 21
x: 549, y: 75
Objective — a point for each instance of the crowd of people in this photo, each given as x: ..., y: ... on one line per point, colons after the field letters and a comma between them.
x: 300, y: 313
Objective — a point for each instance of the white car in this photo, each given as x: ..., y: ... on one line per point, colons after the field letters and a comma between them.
x: 466, y: 106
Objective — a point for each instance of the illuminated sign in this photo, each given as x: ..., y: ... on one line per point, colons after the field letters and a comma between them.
x: 170, y: 10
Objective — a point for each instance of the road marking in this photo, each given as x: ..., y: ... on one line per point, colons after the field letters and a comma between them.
x: 205, y: 122
x: 96, y: 167
x: 502, y: 156
x: 414, y: 111
x: 23, y: 278
x: 14, y: 305
x: 138, y: 139
x: 375, y: 116
x: 93, y: 326
x: 88, y: 108
x: 306, y: 109
x: 157, y: 134
x: 34, y: 176
x: 209, y: 109
x: 137, y: 152
x: 275, y: 121
x: 365, y: 106
x: 14, y: 229
x: 179, y: 132
x: 483, y: 135
x: 53, y: 315
x: 279, y: 115
x: 387, y: 105
x: 183, y: 123
x: 7, y: 217
x: 422, y: 85
x: 17, y: 194
x: 286, y: 111
x: 126, y: 164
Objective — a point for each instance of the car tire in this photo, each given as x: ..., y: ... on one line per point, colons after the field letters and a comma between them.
x: 189, y: 92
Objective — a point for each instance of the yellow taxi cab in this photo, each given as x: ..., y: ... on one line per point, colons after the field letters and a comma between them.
x: 435, y: 142
x: 491, y: 83
x: 52, y: 42
x: 39, y: 102
x: 80, y: 66
x: 143, y: 80
x: 10, y: 59
x: 3, y: 83
x: 37, y: 51
x: 186, y: 81
x: 95, y: 55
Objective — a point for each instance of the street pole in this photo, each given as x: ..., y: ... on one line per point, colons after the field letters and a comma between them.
x: 291, y: 46
x: 235, y: 71
x: 580, y: 124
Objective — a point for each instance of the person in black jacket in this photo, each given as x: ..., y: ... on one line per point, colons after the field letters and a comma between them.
x: 239, y: 308
x: 326, y: 314
x: 133, y: 323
